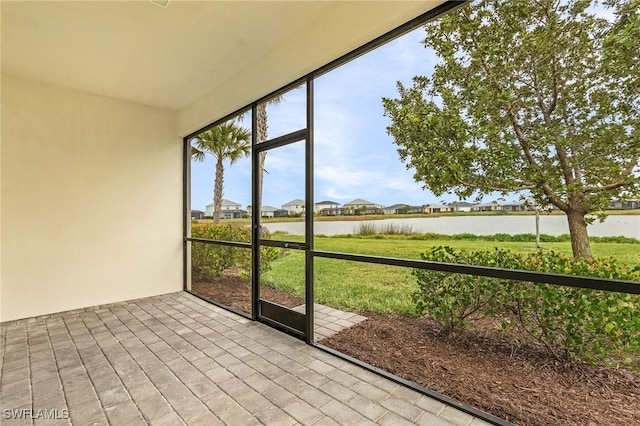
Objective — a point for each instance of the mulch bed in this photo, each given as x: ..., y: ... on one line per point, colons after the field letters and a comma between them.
x: 234, y: 292
x: 527, y: 387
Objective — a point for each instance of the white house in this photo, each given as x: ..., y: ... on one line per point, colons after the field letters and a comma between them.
x: 461, y: 206
x: 495, y: 205
x: 230, y: 205
x: 395, y: 209
x: 359, y: 203
x: 227, y: 210
x: 521, y: 205
x: 436, y: 208
x: 294, y: 206
x: 208, y: 211
x: 268, y: 211
x: 325, y: 205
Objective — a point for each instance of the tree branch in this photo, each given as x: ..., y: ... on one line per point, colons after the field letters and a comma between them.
x: 521, y: 187
x: 618, y: 183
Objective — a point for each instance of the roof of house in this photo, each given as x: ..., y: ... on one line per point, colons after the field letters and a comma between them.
x: 396, y: 207
x: 225, y: 202
x: 492, y: 203
x: 516, y: 203
x: 436, y: 206
x: 268, y: 209
x: 359, y: 202
x: 328, y: 202
x: 462, y: 204
x: 296, y: 202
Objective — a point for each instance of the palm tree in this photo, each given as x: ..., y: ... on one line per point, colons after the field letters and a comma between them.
x: 226, y: 141
x: 261, y: 136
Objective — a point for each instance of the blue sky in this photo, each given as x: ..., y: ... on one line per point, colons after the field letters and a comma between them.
x: 354, y: 156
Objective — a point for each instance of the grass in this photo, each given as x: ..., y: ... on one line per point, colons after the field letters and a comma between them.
x: 388, y: 289
x: 346, y: 285
x: 372, y: 228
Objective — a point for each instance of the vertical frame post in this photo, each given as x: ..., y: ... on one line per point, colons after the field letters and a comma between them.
x: 309, y: 216
x: 186, y: 213
x: 256, y: 204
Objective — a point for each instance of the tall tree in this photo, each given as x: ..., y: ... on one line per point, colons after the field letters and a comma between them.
x: 225, y: 142
x: 262, y: 128
x: 537, y: 96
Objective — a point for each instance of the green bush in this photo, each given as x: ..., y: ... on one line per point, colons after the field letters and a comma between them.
x: 210, y: 260
x: 595, y: 326
x: 455, y: 299
x: 587, y: 325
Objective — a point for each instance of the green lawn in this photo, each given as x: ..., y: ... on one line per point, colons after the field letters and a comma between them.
x: 388, y: 289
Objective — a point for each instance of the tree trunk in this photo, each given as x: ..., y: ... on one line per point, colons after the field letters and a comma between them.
x: 261, y: 124
x: 217, y: 190
x: 538, y: 228
x: 579, y: 236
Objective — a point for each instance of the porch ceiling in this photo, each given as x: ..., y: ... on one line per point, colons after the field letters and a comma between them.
x: 169, y: 57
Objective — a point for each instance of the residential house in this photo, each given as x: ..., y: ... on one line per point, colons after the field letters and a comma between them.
x: 437, y: 208
x: 362, y: 206
x: 461, y: 206
x: 333, y: 211
x: 197, y: 214
x: 208, y: 210
x: 518, y: 206
x: 393, y: 209
x: 294, y: 207
x: 229, y: 210
x: 269, y: 211
x: 412, y: 209
x: 401, y: 209
x: 490, y: 206
x: 318, y: 207
x: 233, y: 214
x: 230, y: 205
x: 624, y: 204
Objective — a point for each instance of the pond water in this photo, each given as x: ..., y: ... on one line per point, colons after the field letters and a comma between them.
x: 615, y: 225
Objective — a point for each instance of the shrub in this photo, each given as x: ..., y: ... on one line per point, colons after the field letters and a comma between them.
x: 587, y: 325
x: 580, y: 324
x: 454, y: 299
x: 210, y: 260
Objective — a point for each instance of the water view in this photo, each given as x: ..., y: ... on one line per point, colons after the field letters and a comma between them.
x: 615, y: 225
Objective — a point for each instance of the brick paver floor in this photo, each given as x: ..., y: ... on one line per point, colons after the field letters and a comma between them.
x: 329, y: 321
x: 175, y: 359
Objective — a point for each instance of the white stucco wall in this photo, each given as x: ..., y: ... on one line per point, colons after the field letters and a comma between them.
x: 91, y: 207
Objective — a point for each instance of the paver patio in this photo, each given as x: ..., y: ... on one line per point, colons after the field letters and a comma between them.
x: 175, y: 359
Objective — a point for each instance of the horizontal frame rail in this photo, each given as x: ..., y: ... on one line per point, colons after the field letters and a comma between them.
x: 593, y: 283
x: 283, y: 244
x: 297, y: 136
x: 219, y: 242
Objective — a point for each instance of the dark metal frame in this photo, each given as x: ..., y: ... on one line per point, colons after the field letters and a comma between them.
x: 308, y: 246
x: 276, y: 315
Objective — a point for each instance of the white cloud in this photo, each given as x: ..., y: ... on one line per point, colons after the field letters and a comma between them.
x: 354, y: 157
